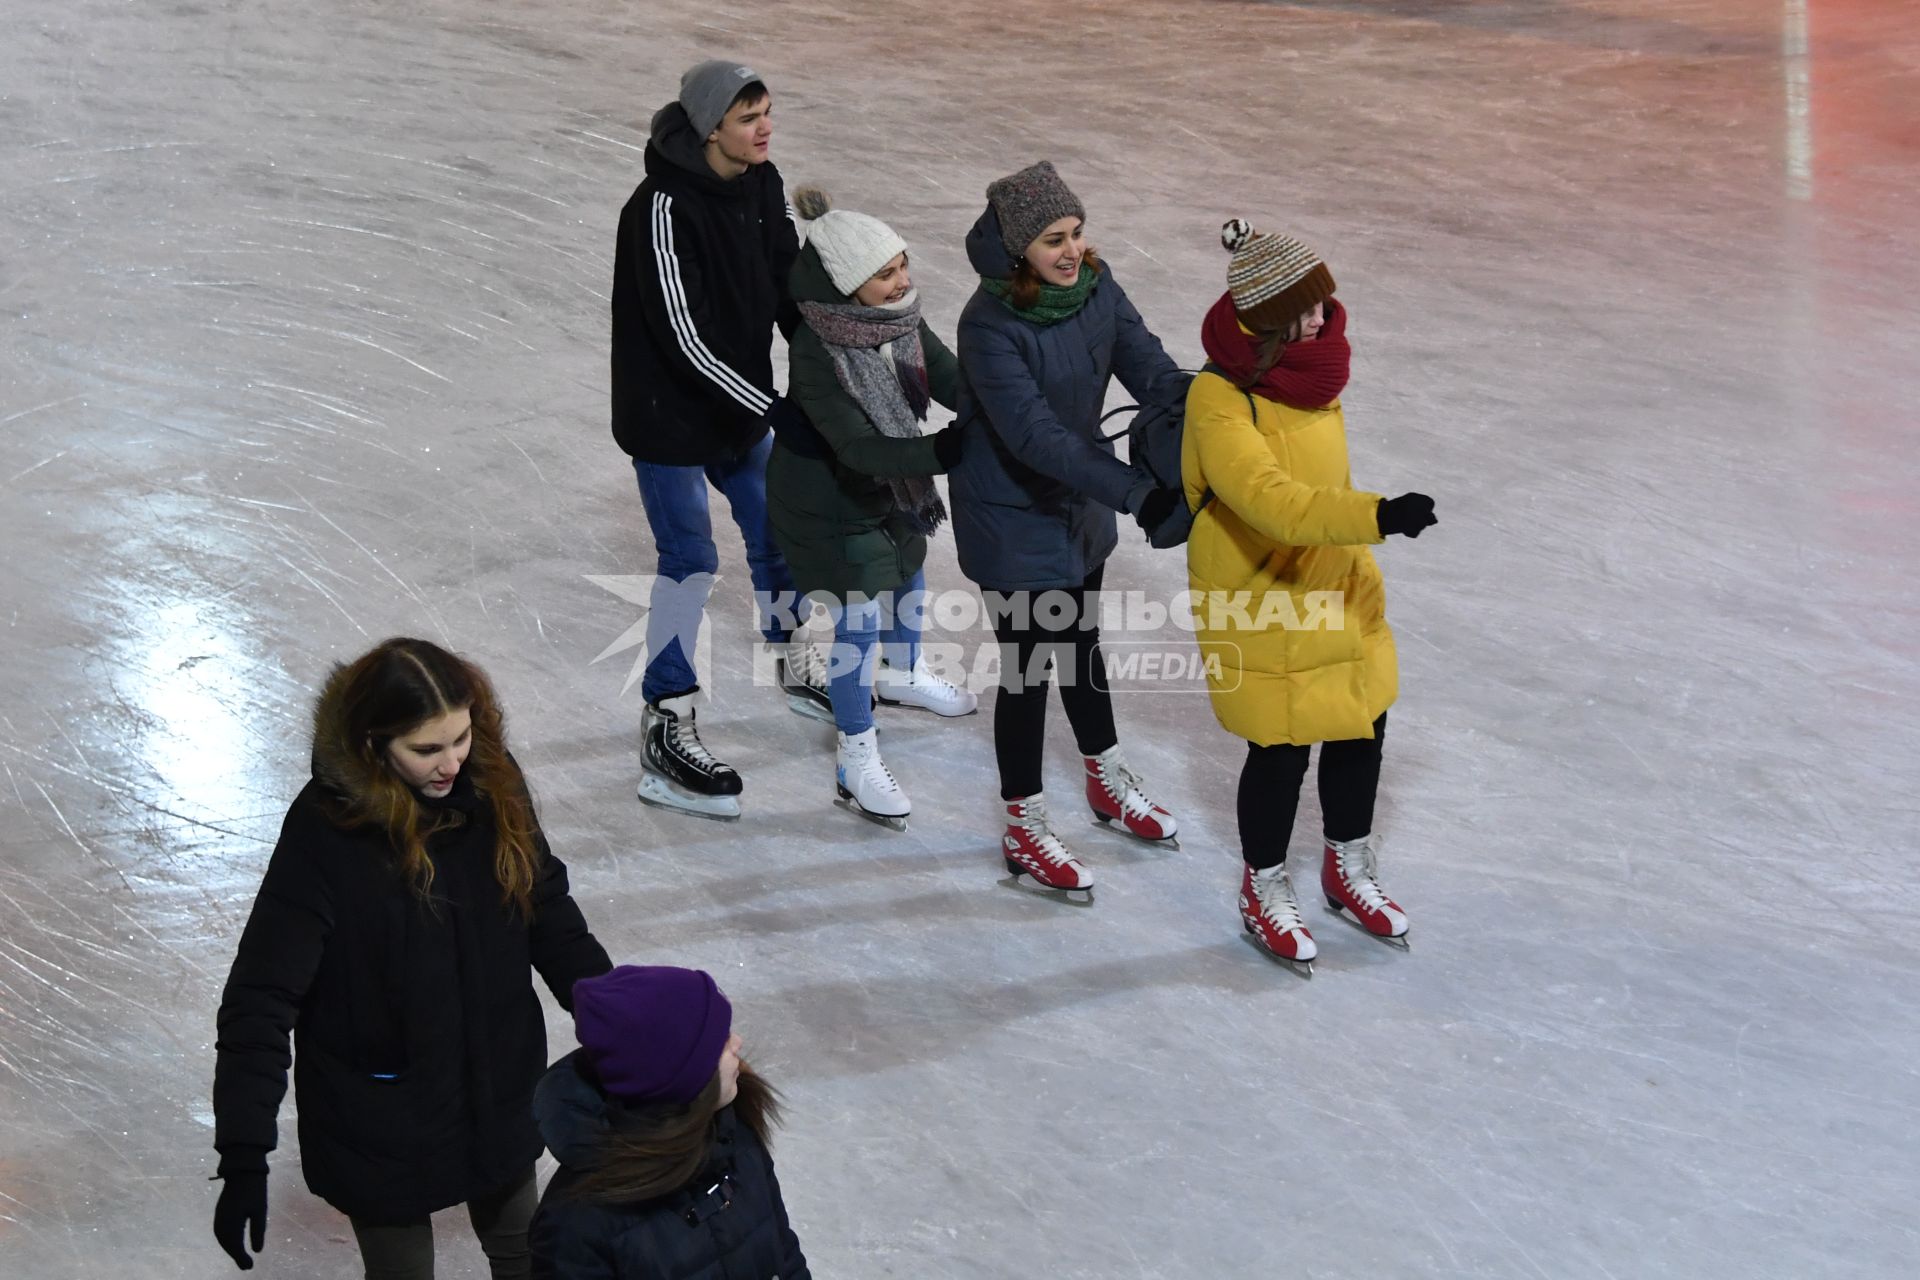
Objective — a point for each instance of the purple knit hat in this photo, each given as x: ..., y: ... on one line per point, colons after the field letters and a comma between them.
x: 652, y: 1033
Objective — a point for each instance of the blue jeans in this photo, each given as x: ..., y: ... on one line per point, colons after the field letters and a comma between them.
x: 676, y: 503
x: 858, y: 632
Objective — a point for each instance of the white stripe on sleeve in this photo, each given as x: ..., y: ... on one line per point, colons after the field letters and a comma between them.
x: 678, y: 315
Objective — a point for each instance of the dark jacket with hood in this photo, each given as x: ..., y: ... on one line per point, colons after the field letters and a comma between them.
x: 686, y: 1235
x: 699, y: 281
x: 1036, y: 490
x: 834, y: 516
x: 417, y: 1036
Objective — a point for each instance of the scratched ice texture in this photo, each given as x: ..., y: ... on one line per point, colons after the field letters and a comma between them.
x: 306, y: 343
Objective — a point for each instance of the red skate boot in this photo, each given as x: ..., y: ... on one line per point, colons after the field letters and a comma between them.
x: 1349, y: 876
x: 1115, y: 793
x: 1037, y: 860
x: 1272, y: 918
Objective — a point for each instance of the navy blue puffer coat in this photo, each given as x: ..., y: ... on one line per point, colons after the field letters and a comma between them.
x: 1036, y: 490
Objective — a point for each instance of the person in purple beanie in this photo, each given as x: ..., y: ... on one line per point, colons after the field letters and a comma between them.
x: 661, y: 1131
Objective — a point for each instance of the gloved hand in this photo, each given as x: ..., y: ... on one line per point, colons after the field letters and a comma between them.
x: 1407, y: 514
x: 946, y: 447
x: 793, y: 429
x: 243, y: 1201
x: 1156, y: 507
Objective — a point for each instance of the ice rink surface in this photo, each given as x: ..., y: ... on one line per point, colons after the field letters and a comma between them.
x: 305, y: 345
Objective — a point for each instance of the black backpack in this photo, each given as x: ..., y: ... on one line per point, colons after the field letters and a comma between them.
x: 1154, y: 441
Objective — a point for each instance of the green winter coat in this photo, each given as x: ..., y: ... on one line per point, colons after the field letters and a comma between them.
x: 834, y: 518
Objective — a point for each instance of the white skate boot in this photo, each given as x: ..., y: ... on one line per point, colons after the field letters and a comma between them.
x: 921, y: 689
x: 865, y: 784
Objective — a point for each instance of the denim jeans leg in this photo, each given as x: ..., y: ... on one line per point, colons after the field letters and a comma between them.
x: 676, y: 502
x: 906, y: 620
x: 850, y: 668
x: 744, y: 482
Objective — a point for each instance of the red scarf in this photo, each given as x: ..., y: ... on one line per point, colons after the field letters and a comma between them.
x: 1309, y: 375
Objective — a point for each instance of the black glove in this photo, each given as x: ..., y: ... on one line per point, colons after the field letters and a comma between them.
x: 793, y: 429
x: 1156, y: 507
x: 243, y: 1201
x: 1408, y: 514
x: 946, y: 447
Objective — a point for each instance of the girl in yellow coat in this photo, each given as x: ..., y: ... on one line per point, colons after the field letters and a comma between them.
x: 1291, y: 609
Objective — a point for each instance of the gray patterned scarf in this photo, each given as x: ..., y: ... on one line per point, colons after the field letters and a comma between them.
x: 892, y: 391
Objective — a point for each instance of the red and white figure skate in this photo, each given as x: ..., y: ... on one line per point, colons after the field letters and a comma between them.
x: 1115, y: 792
x: 1272, y: 918
x: 1349, y: 875
x: 1035, y: 857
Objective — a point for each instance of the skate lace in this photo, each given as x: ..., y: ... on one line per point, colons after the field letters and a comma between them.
x: 938, y: 683
x: 1277, y: 903
x: 805, y: 664
x: 1033, y: 820
x: 1360, y: 869
x: 874, y: 762
x: 1124, y: 785
x: 686, y: 740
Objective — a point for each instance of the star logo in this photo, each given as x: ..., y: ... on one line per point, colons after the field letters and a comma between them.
x: 669, y: 611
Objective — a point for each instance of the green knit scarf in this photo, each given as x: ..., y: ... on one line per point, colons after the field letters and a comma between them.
x: 1057, y: 302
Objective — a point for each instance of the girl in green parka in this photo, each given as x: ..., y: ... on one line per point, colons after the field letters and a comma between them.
x: 849, y: 488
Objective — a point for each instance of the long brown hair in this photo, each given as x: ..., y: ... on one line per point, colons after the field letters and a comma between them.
x: 387, y: 693
x: 1026, y: 282
x: 655, y: 1151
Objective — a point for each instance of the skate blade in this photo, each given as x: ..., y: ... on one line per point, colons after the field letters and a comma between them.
x: 807, y: 707
x: 1027, y: 884
x: 1301, y: 968
x: 661, y: 794
x: 1341, y: 913
x: 852, y: 806
x: 1120, y: 828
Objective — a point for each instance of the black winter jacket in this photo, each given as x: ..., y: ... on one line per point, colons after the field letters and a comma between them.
x: 418, y: 1036
x: 699, y: 281
x: 683, y: 1236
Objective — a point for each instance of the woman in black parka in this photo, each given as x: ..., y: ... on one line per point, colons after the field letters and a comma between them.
x: 661, y: 1132
x: 408, y: 902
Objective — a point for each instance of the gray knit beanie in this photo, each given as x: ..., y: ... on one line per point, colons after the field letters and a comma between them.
x: 1028, y: 202
x: 707, y: 90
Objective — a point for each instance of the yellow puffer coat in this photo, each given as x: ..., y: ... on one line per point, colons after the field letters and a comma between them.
x: 1291, y: 607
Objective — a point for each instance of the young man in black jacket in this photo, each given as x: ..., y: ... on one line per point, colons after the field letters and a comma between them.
x: 700, y: 281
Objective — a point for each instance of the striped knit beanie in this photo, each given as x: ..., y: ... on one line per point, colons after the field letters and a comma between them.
x: 1274, y: 279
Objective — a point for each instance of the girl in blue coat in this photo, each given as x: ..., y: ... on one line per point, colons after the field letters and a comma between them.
x: 661, y: 1133
x: 1035, y: 493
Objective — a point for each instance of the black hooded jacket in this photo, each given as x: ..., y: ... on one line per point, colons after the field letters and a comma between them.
x: 699, y: 281
x: 736, y: 1232
x: 418, y: 1037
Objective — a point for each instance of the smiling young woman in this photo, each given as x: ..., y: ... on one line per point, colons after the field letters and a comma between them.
x: 405, y: 908
x: 1036, y: 491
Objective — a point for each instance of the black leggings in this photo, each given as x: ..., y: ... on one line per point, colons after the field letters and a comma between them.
x: 1270, y: 793
x: 1020, y: 713
x: 405, y: 1251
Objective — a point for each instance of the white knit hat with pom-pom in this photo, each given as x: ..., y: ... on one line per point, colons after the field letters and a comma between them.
x: 852, y: 246
x: 1274, y: 279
